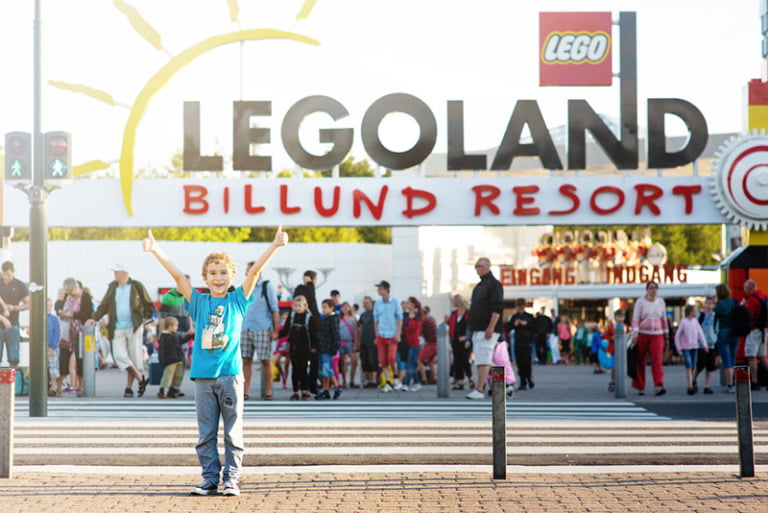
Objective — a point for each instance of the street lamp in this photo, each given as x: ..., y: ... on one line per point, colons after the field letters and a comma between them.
x: 326, y: 271
x: 284, y: 273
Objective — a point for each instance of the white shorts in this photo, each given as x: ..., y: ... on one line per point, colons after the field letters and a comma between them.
x: 755, y: 344
x: 126, y: 348
x: 483, y: 347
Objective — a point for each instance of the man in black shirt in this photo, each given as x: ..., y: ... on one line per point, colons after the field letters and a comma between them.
x: 524, y: 326
x: 484, y: 315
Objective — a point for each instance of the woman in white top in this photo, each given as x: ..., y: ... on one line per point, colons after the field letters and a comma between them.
x: 649, y: 320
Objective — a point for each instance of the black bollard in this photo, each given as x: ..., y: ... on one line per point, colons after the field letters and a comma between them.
x: 744, y: 420
x: 499, y: 407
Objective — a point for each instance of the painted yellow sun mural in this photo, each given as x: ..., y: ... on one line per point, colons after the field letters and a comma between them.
x: 157, y: 81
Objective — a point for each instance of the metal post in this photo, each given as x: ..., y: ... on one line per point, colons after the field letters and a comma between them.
x: 443, y: 362
x: 263, y: 380
x: 7, y: 395
x: 499, y: 407
x: 88, y: 348
x: 744, y: 420
x: 38, y: 251
x: 620, y: 362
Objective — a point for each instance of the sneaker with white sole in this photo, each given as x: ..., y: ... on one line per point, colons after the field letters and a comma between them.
x: 205, y: 488
x: 386, y: 388
x: 231, y: 487
x: 475, y: 395
x: 416, y: 387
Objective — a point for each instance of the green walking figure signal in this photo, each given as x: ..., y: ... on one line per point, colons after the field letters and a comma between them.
x: 18, y: 156
x: 57, y: 151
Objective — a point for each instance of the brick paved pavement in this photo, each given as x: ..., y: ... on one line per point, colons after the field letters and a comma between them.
x: 386, y: 493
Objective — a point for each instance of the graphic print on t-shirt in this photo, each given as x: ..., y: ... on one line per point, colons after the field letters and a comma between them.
x: 213, y: 334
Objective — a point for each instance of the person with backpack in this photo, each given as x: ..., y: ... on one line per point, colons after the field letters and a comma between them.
x: 300, y: 328
x: 727, y: 340
x: 754, y: 343
x: 649, y: 320
x: 260, y: 327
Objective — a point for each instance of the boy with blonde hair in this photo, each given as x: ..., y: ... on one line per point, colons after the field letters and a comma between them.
x: 216, y: 364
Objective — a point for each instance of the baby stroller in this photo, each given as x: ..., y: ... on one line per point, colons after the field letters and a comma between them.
x: 501, y: 358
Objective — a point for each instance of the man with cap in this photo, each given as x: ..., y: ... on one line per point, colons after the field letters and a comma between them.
x: 128, y: 305
x: 387, y: 324
x: 336, y: 298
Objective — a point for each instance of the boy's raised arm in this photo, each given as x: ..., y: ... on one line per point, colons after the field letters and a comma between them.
x: 182, y: 284
x: 281, y: 239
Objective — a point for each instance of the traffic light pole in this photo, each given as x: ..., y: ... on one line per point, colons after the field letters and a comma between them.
x: 38, y: 249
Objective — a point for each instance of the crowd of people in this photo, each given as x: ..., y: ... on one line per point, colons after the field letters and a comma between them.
x: 393, y: 343
x: 387, y: 344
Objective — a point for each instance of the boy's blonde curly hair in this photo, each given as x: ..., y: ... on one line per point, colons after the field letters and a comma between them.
x: 216, y: 257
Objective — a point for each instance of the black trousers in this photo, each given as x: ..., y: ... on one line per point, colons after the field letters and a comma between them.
x: 523, y: 358
x: 314, y: 364
x: 461, y: 365
x: 541, y: 348
x: 299, y: 373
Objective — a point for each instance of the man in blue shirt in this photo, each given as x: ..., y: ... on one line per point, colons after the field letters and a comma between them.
x: 260, y: 327
x: 388, y: 324
x: 128, y: 306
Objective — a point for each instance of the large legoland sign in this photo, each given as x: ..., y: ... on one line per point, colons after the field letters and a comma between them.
x: 574, y: 49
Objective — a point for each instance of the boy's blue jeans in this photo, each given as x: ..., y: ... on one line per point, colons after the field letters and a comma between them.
x: 412, y: 366
x: 220, y: 398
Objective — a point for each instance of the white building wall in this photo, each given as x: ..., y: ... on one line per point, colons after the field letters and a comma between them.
x: 356, y: 267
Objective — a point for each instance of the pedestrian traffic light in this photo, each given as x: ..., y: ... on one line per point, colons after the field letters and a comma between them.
x: 56, y: 156
x: 18, y: 156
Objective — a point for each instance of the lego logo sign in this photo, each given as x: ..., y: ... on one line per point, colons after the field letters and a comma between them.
x: 575, y: 49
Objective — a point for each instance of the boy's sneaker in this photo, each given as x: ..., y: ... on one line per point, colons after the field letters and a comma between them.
x: 404, y: 388
x: 325, y: 394
x: 337, y: 393
x: 205, y: 488
x: 231, y: 487
x: 172, y: 394
x: 161, y: 394
x: 177, y: 392
x: 398, y: 384
x: 416, y: 387
x: 475, y: 395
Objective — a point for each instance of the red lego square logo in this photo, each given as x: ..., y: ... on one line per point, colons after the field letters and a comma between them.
x: 575, y: 49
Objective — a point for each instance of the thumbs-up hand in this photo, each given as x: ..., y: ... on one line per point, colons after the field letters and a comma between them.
x: 281, y: 238
x: 149, y: 244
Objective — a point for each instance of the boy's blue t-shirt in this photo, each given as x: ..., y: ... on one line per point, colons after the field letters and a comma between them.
x: 218, y: 322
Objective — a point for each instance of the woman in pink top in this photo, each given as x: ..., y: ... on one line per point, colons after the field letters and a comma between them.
x: 649, y: 320
x: 688, y: 337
